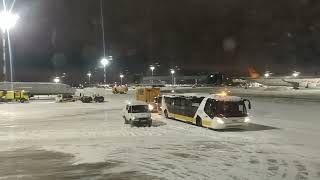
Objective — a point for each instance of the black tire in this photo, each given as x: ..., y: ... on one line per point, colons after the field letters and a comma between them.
x: 166, y: 114
x: 22, y: 100
x: 125, y: 120
x: 149, y: 124
x: 198, y: 121
x: 99, y: 99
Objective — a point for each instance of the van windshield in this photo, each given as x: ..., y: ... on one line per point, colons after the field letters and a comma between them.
x: 139, y: 109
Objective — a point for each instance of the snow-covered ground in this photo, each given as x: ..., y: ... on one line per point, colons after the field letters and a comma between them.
x: 46, y: 140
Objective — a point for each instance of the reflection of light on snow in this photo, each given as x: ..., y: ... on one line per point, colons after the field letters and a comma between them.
x: 8, y: 113
x: 9, y: 126
x: 246, y: 119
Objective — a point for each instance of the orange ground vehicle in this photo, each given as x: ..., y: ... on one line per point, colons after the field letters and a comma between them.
x: 149, y: 96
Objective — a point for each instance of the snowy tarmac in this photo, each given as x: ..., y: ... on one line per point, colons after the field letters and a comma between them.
x: 46, y: 140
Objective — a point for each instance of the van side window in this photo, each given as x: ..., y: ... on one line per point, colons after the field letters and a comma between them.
x: 210, y: 108
x: 183, y: 102
x: 167, y: 100
x: 177, y: 101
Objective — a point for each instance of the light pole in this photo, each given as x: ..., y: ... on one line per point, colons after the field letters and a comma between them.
x: 104, y: 62
x: 121, y: 76
x: 7, y: 21
x: 89, y: 76
x: 172, y: 71
x: 152, y: 69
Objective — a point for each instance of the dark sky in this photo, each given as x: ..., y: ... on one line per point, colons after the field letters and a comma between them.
x: 197, y: 35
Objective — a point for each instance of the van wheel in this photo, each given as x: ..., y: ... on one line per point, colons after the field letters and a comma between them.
x: 166, y: 114
x: 198, y: 121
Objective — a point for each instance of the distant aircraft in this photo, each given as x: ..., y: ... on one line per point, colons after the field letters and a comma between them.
x: 291, y: 81
x: 39, y: 88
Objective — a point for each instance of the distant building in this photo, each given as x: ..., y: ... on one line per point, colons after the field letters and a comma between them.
x: 212, y: 78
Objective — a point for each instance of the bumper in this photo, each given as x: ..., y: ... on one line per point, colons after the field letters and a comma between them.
x: 230, y: 125
x: 142, y: 121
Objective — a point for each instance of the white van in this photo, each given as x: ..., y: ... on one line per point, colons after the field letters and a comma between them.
x: 137, y: 113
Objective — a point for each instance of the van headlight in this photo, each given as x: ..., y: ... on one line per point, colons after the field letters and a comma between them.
x: 246, y: 119
x: 133, y: 118
x: 220, y: 121
x: 150, y: 107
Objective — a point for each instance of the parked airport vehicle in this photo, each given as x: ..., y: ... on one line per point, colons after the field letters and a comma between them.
x: 216, y: 111
x: 9, y: 96
x: 137, y: 113
x: 39, y: 88
x: 65, y: 98
x: 295, y: 81
x: 120, y: 89
x: 149, y: 96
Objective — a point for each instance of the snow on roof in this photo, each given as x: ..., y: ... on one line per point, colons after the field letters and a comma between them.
x: 187, y: 95
x: 218, y: 97
x: 134, y: 103
x: 225, y: 98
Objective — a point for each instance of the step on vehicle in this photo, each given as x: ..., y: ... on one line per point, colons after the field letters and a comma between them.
x: 120, y: 89
x: 137, y: 113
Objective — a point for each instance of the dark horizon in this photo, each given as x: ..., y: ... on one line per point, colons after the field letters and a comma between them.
x: 197, y: 36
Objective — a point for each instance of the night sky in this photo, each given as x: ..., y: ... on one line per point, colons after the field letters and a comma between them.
x: 197, y: 36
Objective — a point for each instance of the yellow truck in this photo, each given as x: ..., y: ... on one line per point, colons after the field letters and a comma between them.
x: 149, y: 96
x: 9, y: 96
x: 122, y: 89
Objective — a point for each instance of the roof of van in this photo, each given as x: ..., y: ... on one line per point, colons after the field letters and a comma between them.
x: 224, y: 98
x: 134, y: 103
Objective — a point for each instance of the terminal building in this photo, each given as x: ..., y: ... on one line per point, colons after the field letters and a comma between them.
x: 210, y: 79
